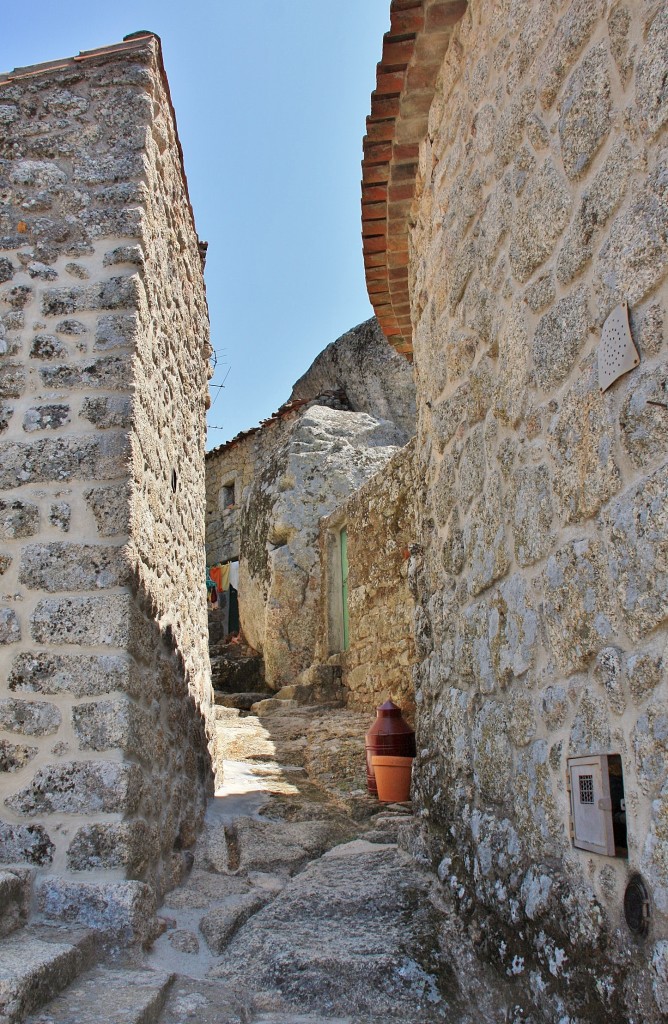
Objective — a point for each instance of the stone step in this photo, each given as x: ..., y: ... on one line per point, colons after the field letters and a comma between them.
x: 299, y: 1018
x: 204, y: 1002
x: 37, y: 963
x: 198, y: 1001
x: 241, y: 701
x: 225, y: 715
x: 14, y: 899
x: 220, y: 924
x: 107, y: 996
x: 237, y: 674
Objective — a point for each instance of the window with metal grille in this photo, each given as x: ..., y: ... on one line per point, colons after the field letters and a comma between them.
x: 227, y: 495
x: 586, y: 789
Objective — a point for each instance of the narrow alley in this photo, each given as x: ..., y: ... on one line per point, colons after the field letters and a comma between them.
x: 300, y: 907
x: 461, y: 506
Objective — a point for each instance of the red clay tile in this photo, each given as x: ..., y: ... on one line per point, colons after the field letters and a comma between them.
x: 374, y: 193
x: 412, y: 54
x: 389, y: 83
x: 377, y: 152
x: 384, y: 106
x: 375, y: 173
x: 380, y: 130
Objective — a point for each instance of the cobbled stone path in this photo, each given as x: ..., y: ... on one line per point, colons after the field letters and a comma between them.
x: 301, y: 906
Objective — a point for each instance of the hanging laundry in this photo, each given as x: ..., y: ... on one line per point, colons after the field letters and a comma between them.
x: 220, y: 574
x: 234, y: 575
x: 224, y: 610
x: 215, y: 573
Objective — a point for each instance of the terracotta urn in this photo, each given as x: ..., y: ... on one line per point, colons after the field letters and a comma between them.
x: 390, y: 736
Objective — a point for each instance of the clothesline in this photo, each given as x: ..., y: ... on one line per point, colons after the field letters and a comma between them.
x: 223, y: 575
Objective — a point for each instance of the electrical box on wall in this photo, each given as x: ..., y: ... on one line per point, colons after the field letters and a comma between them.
x: 598, y: 811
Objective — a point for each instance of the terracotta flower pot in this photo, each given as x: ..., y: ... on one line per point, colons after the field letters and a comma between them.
x: 393, y: 777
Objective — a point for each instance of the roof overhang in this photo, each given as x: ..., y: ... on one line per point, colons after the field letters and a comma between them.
x: 413, y: 52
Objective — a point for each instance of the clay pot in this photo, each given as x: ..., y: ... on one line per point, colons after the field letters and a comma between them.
x: 388, y: 735
x: 393, y: 777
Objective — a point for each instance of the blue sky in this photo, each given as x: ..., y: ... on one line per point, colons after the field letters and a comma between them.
x: 271, y: 98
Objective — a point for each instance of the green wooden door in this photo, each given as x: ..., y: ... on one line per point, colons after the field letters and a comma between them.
x: 344, y: 587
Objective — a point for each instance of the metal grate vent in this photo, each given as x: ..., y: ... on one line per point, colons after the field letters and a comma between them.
x: 616, y: 354
x: 636, y: 906
x: 586, y: 789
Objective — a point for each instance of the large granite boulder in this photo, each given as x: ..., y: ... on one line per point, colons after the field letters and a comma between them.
x: 375, y: 378
x: 317, y: 461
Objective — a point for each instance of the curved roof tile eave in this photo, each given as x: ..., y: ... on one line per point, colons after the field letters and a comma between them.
x: 413, y: 52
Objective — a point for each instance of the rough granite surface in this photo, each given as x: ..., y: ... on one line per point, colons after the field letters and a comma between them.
x: 282, y: 479
x: 102, y: 488
x: 541, y: 582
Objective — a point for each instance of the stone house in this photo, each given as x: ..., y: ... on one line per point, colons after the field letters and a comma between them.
x: 374, y: 659
x: 514, y: 196
x: 269, y: 489
x: 106, y: 757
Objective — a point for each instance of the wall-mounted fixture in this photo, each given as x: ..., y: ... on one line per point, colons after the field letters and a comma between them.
x: 636, y: 906
x: 598, y: 811
x: 616, y: 354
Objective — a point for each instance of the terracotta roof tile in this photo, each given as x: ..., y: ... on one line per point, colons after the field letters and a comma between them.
x: 413, y: 51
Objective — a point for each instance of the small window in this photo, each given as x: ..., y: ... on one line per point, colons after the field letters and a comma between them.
x: 227, y: 495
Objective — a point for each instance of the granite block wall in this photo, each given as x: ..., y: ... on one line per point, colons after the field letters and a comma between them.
x: 541, y: 627
x: 380, y: 522
x: 223, y: 519
x: 104, y: 686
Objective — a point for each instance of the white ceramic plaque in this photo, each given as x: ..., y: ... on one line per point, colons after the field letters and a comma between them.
x: 616, y: 354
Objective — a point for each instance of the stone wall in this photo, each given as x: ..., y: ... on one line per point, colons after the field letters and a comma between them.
x: 223, y: 520
x: 299, y: 467
x: 380, y: 522
x: 541, y: 204
x: 104, y: 766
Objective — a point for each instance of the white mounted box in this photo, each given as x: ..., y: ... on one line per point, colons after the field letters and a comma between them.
x: 591, y: 804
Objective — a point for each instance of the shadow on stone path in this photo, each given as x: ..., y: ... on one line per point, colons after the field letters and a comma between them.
x: 300, y: 907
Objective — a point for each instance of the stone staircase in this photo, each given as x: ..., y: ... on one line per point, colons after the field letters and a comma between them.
x: 237, y: 674
x: 58, y: 965
x: 37, y: 961
x: 297, y: 907
x: 105, y: 995
x: 301, y: 906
